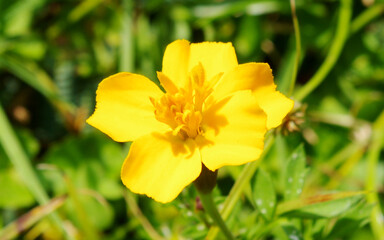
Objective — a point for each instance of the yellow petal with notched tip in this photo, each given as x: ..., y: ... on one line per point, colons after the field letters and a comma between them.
x: 161, y: 166
x: 216, y: 57
x: 258, y: 78
x: 175, y: 62
x: 234, y: 131
x: 123, y: 107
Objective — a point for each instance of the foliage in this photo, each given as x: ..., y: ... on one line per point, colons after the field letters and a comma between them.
x: 320, y: 176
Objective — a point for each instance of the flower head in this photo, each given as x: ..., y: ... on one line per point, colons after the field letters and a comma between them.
x: 213, y: 112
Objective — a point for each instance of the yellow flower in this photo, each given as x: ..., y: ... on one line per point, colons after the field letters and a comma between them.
x: 213, y: 112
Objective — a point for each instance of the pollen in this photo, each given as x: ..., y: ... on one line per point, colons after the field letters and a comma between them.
x: 181, y: 108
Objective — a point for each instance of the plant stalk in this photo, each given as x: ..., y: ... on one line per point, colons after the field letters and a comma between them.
x: 373, y: 155
x: 210, y: 207
x: 298, y: 48
x: 342, y: 32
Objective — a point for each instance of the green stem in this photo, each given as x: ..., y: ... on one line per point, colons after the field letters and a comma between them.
x: 234, y: 195
x: 342, y: 32
x: 127, y: 51
x: 298, y: 47
x: 210, y: 207
x: 23, y: 166
x: 136, y: 212
x: 373, y: 156
x: 365, y: 17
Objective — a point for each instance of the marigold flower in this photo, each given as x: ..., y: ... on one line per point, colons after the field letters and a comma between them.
x: 213, y: 112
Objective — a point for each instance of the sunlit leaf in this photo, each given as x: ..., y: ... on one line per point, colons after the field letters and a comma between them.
x: 320, y: 206
x: 354, y: 219
x: 264, y: 195
x: 292, y: 232
x: 14, y: 193
x: 295, y: 174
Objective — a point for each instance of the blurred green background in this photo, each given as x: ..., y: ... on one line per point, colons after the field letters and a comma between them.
x: 54, y: 53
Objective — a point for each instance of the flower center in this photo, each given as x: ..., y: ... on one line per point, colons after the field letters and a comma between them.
x: 182, y: 108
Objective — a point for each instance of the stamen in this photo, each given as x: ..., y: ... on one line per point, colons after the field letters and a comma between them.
x: 182, y: 108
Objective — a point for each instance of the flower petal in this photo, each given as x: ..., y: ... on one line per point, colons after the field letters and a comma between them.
x: 175, y: 62
x: 257, y: 77
x: 160, y: 166
x: 234, y: 131
x: 275, y: 105
x: 167, y: 83
x: 216, y: 57
x: 123, y: 107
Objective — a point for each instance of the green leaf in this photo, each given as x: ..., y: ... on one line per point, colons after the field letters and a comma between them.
x: 196, y: 231
x: 354, y: 219
x: 264, y: 195
x: 31, y: 48
x: 295, y: 174
x: 14, y: 193
x: 321, y: 206
x: 327, y: 209
x: 28, y: 143
x: 360, y: 212
x: 292, y: 232
x: 99, y: 212
x: 19, y: 17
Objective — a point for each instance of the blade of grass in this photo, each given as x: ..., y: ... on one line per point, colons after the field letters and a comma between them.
x: 13, y: 229
x: 341, y: 36
x: 365, y: 17
x: 136, y: 212
x: 377, y: 223
x: 284, y: 73
x: 127, y: 51
x: 23, y: 166
x: 37, y: 78
x: 302, y: 202
x: 219, y: 10
x: 30, y: 74
x: 82, y: 9
x: 359, y: 22
x: 298, y: 47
